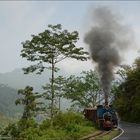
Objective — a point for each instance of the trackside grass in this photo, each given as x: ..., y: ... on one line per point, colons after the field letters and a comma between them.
x: 109, y: 136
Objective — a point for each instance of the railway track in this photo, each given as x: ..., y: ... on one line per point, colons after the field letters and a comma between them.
x: 93, y: 136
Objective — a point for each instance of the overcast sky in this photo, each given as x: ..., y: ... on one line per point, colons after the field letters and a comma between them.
x: 20, y: 19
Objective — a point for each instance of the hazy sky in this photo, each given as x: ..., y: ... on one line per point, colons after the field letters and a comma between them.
x: 18, y: 20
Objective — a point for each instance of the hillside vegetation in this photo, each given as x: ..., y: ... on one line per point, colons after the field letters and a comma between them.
x: 127, y: 94
x: 7, y: 101
x: 4, y: 121
x: 64, y: 126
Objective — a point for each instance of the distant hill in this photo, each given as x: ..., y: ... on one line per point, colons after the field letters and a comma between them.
x: 17, y: 79
x: 8, y: 96
x: 12, y: 81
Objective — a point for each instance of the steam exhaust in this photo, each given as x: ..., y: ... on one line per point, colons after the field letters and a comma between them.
x: 107, y: 37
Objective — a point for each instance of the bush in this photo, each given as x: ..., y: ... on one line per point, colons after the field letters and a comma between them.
x: 72, y: 127
x: 63, y: 119
x: 45, y: 124
x: 25, y: 124
x: 11, y: 131
x: 64, y: 126
x: 29, y: 134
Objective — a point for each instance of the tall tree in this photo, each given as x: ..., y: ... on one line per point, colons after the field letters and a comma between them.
x: 83, y: 90
x: 49, y: 48
x: 127, y: 94
x: 59, y: 83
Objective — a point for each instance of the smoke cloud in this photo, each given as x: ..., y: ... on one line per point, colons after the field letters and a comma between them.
x: 106, y: 39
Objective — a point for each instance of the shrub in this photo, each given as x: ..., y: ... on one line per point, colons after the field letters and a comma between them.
x: 64, y: 126
x: 62, y: 119
x: 45, y: 124
x: 29, y: 134
x: 72, y: 127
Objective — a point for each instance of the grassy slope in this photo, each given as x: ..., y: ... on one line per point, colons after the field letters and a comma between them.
x: 65, y: 126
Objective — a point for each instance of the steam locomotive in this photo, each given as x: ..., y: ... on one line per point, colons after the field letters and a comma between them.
x: 105, y: 116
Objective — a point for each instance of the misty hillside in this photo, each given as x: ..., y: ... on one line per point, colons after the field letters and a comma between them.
x: 17, y: 79
x: 7, y: 101
x: 12, y: 81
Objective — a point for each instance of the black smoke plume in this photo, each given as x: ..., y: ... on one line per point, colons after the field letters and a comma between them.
x: 107, y: 37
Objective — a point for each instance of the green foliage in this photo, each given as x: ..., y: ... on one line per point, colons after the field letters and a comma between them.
x: 11, y: 130
x: 4, y: 121
x: 64, y: 119
x: 72, y: 124
x: 83, y: 90
x: 54, y: 134
x: 58, y: 88
x: 25, y: 124
x: 31, y: 106
x: 16, y: 130
x: 29, y: 134
x: 72, y: 127
x: 127, y: 94
x: 49, y: 48
x: 29, y: 100
x: 66, y: 126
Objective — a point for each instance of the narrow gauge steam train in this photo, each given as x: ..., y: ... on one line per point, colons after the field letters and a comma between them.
x: 105, y: 116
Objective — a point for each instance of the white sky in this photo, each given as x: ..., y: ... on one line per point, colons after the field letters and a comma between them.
x: 20, y: 19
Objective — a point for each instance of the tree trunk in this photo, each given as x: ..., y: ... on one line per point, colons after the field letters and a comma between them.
x: 52, y: 89
x: 59, y: 103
